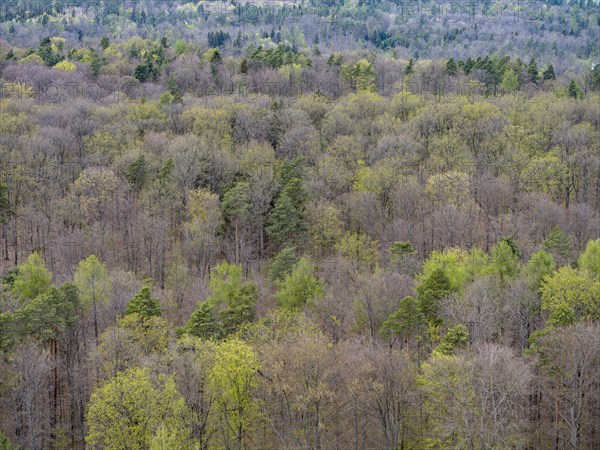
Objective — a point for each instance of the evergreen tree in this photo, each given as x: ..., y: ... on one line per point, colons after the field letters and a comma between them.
x: 409, y: 69
x: 137, y: 173
x: 574, y: 91
x: 144, y: 304
x: 285, y: 221
x: 299, y: 287
x: 549, y: 73
x: 431, y: 291
x: 451, y: 68
x: 558, y: 243
x: 283, y: 263
x: 203, y: 323
x: 532, y: 71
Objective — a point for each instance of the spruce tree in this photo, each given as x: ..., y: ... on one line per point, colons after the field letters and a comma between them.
x: 532, y: 71
x: 549, y: 73
x: 431, y: 291
x: 144, y: 304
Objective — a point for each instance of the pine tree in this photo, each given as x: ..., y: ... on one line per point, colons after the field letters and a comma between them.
x: 549, y: 73
x: 144, y: 304
x: 558, y: 243
x: 451, y: 68
x: 532, y: 71
x: 574, y: 91
x: 286, y: 223
x: 431, y: 291
x: 203, y: 323
x: 409, y: 69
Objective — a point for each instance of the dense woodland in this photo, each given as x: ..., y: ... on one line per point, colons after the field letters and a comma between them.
x: 324, y: 225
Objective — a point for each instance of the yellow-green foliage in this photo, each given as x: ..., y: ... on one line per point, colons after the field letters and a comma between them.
x: 66, y: 66
x: 130, y: 410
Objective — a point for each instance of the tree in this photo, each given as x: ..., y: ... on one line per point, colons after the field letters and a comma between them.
x: 574, y: 90
x: 532, y: 71
x: 203, y: 323
x: 505, y: 260
x: 510, y: 81
x: 409, y: 69
x: 137, y: 173
x: 236, y: 211
x: 6, y: 209
x: 451, y: 67
x: 234, y: 299
x: 364, y: 76
x: 286, y: 223
x: 540, y: 264
x: 233, y: 380
x: 570, y: 357
x: 47, y: 315
x: 283, y: 263
x: 33, y: 278
x: 549, y: 73
x: 405, y: 321
x: 129, y: 410
x: 476, y: 401
x: 94, y: 285
x: 559, y: 244
x: 456, y: 338
x: 589, y: 260
x: 143, y: 304
x: 300, y: 287
x: 433, y: 289
x: 570, y: 296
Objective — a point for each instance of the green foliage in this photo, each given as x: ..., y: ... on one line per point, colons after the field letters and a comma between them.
x: 33, y: 278
x: 300, y: 287
x: 5, y: 443
x: 286, y: 223
x: 589, y: 260
x: 401, y: 249
x: 451, y: 67
x: 460, y: 266
x: 203, y: 323
x: 569, y: 296
x: 539, y: 266
x: 130, y: 410
x: 532, y: 71
x: 93, y: 281
x: 505, y: 259
x: 405, y: 320
x: 137, y: 173
x: 457, y: 337
x: 574, y: 90
x: 549, y: 73
x: 233, y: 380
x: 510, y: 81
x: 558, y: 243
x: 235, y: 299
x: 6, y: 209
x: 434, y: 288
x: 360, y: 249
x: 363, y: 75
x: 48, y: 314
x: 143, y: 304
x: 283, y: 263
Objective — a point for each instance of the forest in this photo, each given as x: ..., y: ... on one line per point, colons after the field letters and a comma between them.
x: 340, y: 224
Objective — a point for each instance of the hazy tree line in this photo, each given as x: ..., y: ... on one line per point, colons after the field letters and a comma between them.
x: 563, y: 32
x: 278, y: 247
